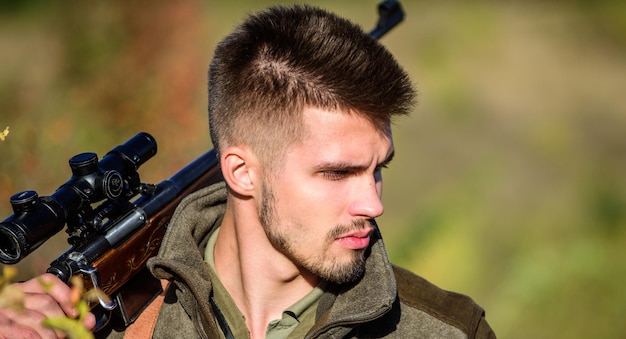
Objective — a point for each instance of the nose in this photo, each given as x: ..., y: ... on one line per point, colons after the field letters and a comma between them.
x: 366, y: 201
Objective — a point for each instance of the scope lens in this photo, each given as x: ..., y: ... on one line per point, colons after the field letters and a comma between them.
x: 10, y: 251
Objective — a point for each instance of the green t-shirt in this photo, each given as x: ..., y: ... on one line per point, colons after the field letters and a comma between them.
x: 296, y: 319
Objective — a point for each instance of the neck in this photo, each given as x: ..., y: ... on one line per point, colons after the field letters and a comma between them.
x: 261, y: 280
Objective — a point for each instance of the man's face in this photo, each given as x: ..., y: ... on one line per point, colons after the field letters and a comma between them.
x: 317, y: 209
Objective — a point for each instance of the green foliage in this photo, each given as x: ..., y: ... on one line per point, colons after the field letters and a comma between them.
x: 12, y: 297
x: 73, y: 328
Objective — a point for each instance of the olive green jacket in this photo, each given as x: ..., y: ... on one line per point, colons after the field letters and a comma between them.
x: 387, y: 302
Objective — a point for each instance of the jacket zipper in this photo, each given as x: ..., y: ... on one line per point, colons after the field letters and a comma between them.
x: 325, y: 328
x: 202, y: 332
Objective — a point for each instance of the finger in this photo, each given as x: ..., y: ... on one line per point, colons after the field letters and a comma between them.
x: 24, y: 324
x: 39, y: 307
x: 44, y: 304
x: 90, y: 321
x: 53, y: 286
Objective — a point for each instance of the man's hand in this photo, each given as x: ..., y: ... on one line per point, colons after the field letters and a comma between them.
x: 45, y: 296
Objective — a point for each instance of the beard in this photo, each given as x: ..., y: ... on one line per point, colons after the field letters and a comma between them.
x: 322, y: 264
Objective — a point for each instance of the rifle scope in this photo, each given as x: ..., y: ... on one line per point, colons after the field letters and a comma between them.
x: 35, y: 219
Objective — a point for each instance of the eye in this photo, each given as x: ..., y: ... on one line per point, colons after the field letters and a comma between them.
x: 380, y: 167
x: 335, y: 174
x: 378, y: 172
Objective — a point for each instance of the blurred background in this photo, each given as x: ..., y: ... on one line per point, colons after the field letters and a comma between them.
x: 508, y: 183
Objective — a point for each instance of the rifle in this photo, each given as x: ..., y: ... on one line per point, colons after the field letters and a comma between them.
x: 111, y: 242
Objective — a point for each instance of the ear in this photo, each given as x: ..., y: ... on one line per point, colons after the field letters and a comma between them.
x: 239, y: 167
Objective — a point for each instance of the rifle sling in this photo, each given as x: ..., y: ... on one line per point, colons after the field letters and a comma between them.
x: 143, y: 327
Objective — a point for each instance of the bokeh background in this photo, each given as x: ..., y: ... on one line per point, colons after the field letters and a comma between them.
x: 508, y: 183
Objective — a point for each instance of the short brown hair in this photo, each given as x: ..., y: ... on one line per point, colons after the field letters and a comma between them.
x: 284, y: 59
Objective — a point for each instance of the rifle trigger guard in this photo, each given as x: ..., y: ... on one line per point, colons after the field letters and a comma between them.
x: 92, y: 272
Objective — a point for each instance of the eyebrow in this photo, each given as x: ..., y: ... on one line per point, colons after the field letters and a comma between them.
x: 342, y: 166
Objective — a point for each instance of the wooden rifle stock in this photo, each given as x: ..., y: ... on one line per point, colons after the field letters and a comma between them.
x: 121, y: 270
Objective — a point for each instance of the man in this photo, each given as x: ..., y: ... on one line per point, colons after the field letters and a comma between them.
x: 300, y: 110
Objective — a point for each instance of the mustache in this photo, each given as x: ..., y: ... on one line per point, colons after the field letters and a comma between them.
x: 355, y: 225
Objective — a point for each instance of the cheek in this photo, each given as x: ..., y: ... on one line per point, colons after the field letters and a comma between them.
x: 310, y: 201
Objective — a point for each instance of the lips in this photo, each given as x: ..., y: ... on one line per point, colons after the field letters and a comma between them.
x: 355, y: 240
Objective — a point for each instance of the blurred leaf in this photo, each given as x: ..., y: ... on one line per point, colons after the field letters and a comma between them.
x: 10, y: 296
x: 4, y: 134
x: 73, y: 328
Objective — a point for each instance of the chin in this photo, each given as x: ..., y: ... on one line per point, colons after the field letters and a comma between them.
x: 348, y: 271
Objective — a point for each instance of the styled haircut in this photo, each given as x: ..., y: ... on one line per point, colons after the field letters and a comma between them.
x: 286, y: 58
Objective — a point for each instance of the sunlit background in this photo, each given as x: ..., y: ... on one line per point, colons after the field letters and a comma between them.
x: 509, y: 182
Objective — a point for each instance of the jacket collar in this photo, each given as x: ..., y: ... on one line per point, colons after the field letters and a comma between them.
x: 367, y: 299
x: 180, y: 258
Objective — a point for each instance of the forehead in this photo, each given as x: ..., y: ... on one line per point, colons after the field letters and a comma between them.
x: 338, y: 121
x: 338, y: 132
